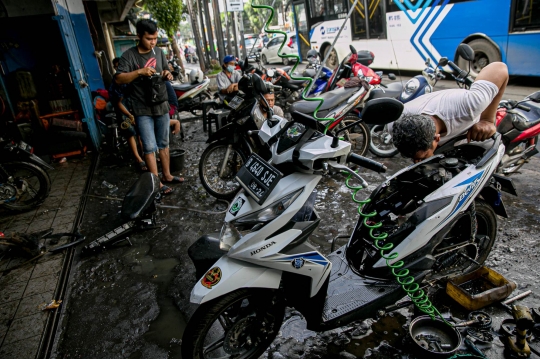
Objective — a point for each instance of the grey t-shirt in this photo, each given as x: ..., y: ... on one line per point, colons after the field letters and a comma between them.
x: 459, y: 109
x: 132, y: 60
x: 224, y: 81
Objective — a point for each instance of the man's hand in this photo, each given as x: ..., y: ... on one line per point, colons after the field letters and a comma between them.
x: 167, y: 75
x: 481, y: 131
x: 232, y: 88
x: 146, y: 71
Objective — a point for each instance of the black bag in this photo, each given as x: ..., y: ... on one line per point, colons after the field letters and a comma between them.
x: 155, y: 90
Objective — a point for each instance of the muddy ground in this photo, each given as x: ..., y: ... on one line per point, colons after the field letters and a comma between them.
x: 133, y: 301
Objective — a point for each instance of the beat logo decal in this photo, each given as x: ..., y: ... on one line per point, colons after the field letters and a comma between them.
x: 211, y: 278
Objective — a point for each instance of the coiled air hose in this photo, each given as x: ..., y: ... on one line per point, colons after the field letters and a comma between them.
x: 296, y: 62
x: 417, y: 295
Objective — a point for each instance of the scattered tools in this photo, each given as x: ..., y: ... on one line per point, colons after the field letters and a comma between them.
x: 506, y: 303
x: 517, y: 344
x: 478, y: 319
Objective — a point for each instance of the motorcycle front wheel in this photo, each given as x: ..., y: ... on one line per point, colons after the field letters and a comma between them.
x: 241, y: 324
x: 217, y: 174
x: 26, y: 188
x: 359, y: 135
x: 381, y: 144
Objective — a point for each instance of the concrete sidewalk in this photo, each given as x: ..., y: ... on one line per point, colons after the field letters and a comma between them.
x: 25, y: 289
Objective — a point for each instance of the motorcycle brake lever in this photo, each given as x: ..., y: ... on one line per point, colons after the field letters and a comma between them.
x: 336, y: 165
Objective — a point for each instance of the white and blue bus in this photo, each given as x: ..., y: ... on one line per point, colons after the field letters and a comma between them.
x: 404, y: 33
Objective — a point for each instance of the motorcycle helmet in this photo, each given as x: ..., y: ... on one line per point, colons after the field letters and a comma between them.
x: 196, y: 75
x: 312, y: 56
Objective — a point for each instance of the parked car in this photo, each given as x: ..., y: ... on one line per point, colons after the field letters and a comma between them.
x: 251, y: 50
x: 269, y: 52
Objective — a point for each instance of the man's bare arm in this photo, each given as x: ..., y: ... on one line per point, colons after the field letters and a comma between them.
x: 496, y: 73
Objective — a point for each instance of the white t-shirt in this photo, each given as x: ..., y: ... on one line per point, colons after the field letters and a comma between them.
x: 459, y: 109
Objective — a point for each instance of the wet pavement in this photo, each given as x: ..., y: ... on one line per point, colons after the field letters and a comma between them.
x: 27, y: 286
x: 133, y: 301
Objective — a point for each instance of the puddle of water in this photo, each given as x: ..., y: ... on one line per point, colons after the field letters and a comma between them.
x: 167, y: 329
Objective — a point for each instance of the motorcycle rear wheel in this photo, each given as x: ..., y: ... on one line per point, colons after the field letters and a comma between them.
x: 222, y: 187
x: 31, y: 183
x: 359, y: 136
x: 381, y: 144
x: 241, y: 324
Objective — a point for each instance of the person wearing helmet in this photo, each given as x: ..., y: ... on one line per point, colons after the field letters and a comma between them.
x: 227, y: 80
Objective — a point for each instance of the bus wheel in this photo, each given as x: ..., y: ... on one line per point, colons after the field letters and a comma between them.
x: 332, y: 61
x: 484, y: 54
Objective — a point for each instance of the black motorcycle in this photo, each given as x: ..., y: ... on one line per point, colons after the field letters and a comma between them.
x: 233, y: 143
x: 24, y: 183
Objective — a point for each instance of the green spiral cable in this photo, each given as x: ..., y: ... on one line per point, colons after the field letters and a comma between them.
x: 417, y: 295
x: 296, y: 62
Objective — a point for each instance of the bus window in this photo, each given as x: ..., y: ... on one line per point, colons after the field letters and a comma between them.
x: 526, y: 15
x: 328, y: 8
x: 376, y: 19
x: 358, y: 21
x: 317, y: 8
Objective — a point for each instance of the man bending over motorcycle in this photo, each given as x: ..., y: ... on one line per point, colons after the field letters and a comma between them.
x: 433, y: 119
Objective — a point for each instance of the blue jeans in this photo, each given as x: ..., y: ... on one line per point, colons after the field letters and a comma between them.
x: 154, y: 131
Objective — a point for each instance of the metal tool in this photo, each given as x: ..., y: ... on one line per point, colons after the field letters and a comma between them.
x: 513, y: 299
x: 477, y: 318
x: 517, y: 344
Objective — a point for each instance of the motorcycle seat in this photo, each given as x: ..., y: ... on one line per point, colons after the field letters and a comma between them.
x: 185, y: 87
x: 140, y: 196
x: 331, y: 99
x: 523, y: 120
x: 296, y: 82
x: 394, y: 90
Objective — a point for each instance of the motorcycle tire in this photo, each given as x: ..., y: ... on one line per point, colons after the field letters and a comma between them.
x: 380, y: 145
x: 264, y: 60
x: 247, y: 313
x: 486, y: 233
x: 359, y: 136
x: 34, y: 179
x: 220, y: 187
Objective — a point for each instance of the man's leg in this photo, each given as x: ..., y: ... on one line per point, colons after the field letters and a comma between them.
x: 145, y: 125
x: 496, y: 73
x: 162, y: 138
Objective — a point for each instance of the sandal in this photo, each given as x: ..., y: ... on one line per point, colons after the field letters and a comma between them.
x: 166, y: 190
x: 142, y: 166
x: 175, y: 179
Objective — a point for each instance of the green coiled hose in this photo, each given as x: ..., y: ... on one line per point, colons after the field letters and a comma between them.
x: 297, y: 61
x: 417, y: 295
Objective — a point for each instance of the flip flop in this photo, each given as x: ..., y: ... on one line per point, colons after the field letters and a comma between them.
x: 175, y: 179
x: 166, y: 190
x: 142, y: 166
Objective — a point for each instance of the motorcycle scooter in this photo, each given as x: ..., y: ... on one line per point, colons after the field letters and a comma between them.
x: 191, y: 95
x: 261, y: 262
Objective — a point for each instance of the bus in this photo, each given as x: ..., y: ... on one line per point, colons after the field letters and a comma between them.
x: 404, y: 33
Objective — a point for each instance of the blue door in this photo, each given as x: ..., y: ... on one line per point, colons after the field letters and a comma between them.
x: 77, y: 68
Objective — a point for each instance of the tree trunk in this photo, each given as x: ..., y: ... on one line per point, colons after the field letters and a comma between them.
x: 219, y: 31
x: 196, y: 35
x: 176, y: 51
x: 209, y: 29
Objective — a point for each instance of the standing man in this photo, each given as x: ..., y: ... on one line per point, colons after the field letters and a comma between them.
x: 149, y: 98
x: 227, y: 80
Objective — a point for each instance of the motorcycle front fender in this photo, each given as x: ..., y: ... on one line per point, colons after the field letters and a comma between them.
x: 228, y: 275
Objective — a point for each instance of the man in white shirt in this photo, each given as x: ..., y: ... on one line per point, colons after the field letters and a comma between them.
x: 433, y: 119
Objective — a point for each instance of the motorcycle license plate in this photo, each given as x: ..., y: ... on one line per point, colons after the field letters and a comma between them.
x: 258, y: 178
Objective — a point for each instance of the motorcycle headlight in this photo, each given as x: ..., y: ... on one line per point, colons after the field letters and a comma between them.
x: 410, y: 88
x: 233, y: 231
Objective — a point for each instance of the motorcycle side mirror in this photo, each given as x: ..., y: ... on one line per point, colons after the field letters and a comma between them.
x: 466, y: 52
x: 535, y: 97
x: 391, y: 76
x: 443, y: 61
x: 245, y: 64
x: 353, y: 50
x: 428, y: 62
x: 379, y: 73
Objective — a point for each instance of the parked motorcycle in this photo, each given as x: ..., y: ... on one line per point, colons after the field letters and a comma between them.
x: 519, y: 124
x: 24, y: 181
x: 230, y: 145
x: 191, y: 95
x: 381, y: 144
x: 261, y: 262
x: 176, y: 71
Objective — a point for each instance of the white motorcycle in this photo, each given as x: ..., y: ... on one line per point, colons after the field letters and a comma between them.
x: 430, y: 212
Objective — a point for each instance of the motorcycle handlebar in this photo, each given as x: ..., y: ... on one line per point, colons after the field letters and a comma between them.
x: 366, y: 163
x: 453, y: 66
